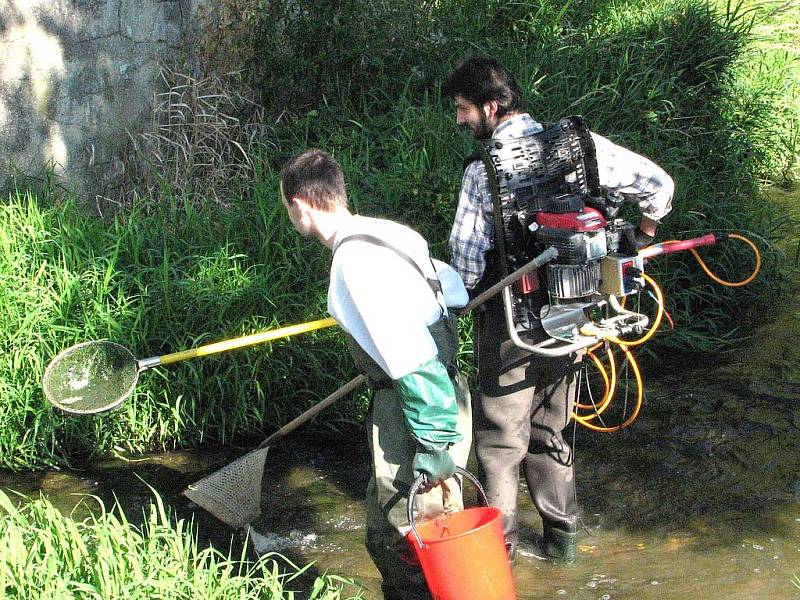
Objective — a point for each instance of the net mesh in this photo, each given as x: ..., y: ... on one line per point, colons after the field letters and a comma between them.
x: 233, y: 493
x: 90, y: 377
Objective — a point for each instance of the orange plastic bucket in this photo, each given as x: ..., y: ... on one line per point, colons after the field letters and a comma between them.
x: 463, y: 554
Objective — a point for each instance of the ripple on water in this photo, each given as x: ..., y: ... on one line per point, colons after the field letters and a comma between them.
x: 273, y: 542
x: 346, y: 523
x: 305, y: 542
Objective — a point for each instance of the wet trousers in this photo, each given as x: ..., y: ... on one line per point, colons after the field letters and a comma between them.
x: 521, y: 411
x: 392, y: 450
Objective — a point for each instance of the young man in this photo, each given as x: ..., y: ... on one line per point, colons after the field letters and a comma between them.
x: 525, y: 402
x: 392, y: 301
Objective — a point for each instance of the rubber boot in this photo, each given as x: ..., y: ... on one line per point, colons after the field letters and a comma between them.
x: 559, y: 542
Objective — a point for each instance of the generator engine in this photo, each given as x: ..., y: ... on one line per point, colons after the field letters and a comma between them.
x: 580, y: 238
x: 546, y: 193
x: 567, y: 260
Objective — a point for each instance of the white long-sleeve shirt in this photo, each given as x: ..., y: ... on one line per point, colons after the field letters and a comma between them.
x: 383, y: 301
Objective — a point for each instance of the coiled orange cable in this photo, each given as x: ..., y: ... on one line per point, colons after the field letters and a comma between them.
x: 752, y: 276
x: 586, y: 420
x: 610, y: 387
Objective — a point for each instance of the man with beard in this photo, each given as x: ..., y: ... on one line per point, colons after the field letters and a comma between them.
x: 525, y: 402
x: 392, y: 300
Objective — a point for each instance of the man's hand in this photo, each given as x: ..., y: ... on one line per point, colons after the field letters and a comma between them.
x: 434, y: 463
x: 642, y: 239
x: 644, y: 234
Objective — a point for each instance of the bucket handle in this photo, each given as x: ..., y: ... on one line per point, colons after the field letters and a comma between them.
x: 412, y: 494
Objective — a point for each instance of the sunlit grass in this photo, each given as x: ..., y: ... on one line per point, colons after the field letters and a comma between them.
x: 158, y: 282
x: 44, y: 554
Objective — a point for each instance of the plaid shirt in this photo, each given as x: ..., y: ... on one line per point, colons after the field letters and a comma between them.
x: 622, y: 173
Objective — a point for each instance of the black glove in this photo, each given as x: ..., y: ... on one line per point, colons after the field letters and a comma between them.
x: 641, y: 239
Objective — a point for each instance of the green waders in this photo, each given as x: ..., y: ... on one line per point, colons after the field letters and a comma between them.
x: 392, y: 450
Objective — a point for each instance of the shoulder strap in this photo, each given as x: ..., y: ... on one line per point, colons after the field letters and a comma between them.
x: 433, y: 283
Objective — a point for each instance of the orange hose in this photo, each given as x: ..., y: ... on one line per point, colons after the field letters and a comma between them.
x: 610, y: 385
x: 659, y: 314
x: 608, y: 394
x: 585, y: 420
x: 752, y: 276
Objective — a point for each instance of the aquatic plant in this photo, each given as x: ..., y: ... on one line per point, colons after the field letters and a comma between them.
x: 44, y: 554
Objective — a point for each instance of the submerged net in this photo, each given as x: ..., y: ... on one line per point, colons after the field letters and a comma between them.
x: 232, y: 494
x: 90, y: 377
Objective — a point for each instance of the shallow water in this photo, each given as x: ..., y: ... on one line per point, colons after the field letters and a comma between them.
x: 704, y: 503
x: 700, y: 498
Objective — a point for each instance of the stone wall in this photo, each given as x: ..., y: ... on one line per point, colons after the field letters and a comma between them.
x: 75, y: 77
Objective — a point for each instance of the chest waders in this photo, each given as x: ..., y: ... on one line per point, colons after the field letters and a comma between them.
x: 526, y: 400
x: 392, y: 450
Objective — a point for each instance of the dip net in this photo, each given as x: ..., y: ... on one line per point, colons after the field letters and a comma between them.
x: 233, y: 493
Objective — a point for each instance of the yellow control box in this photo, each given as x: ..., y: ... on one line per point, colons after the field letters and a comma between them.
x: 619, y: 275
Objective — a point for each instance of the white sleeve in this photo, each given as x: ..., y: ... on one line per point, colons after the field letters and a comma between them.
x: 455, y: 294
x: 387, y: 318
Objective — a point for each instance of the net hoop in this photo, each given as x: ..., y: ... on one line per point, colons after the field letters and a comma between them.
x: 59, y: 401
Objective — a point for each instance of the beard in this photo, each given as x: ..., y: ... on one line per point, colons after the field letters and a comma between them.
x: 481, y: 130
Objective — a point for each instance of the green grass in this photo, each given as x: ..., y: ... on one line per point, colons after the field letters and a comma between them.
x: 672, y: 80
x: 44, y: 554
x: 159, y: 282
x: 707, y: 90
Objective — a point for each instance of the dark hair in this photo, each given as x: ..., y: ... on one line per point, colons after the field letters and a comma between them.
x: 316, y: 177
x: 481, y: 79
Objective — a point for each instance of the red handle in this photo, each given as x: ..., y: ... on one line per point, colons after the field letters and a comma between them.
x: 669, y: 247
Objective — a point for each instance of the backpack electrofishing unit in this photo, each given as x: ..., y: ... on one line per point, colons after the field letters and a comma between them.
x: 546, y: 194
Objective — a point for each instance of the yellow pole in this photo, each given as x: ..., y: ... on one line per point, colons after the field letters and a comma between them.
x: 248, y: 340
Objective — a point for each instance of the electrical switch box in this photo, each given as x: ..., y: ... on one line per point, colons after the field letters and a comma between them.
x: 619, y: 275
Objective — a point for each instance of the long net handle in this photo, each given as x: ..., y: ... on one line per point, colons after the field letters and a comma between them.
x: 545, y: 257
x: 248, y: 340
x: 312, y: 412
x: 266, y: 336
